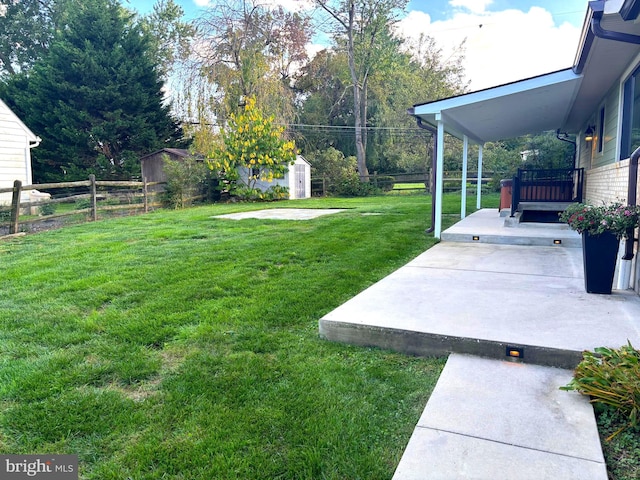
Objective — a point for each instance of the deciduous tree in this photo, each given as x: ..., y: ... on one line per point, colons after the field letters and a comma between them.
x: 248, y: 49
x: 359, y: 26
x: 252, y: 149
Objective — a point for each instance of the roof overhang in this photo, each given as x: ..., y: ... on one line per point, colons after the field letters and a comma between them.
x: 563, y: 100
x: 528, y: 106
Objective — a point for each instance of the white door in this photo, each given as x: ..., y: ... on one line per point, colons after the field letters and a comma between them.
x: 300, y: 181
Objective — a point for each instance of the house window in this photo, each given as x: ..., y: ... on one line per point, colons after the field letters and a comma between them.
x: 601, y: 131
x: 630, y: 115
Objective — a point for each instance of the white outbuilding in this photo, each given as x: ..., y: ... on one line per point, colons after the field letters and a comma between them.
x: 16, y: 142
x: 297, y: 179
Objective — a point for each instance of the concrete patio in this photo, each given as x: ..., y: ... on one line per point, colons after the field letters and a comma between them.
x: 482, y: 292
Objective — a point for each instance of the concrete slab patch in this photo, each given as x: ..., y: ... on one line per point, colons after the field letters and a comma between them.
x: 282, y: 214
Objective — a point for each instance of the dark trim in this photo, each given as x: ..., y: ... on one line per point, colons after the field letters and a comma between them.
x: 585, y: 48
x: 630, y: 10
x: 632, y: 187
x: 628, y: 93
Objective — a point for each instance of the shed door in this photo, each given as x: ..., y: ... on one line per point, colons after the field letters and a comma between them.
x: 300, y: 181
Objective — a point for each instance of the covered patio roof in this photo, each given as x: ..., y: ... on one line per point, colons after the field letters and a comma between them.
x: 506, y: 111
x: 563, y: 100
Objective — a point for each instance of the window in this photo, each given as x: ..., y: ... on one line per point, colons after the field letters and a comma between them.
x: 601, y: 131
x: 630, y: 115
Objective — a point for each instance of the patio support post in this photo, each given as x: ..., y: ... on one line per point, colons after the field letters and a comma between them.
x: 479, y: 193
x: 465, y: 153
x: 439, y: 173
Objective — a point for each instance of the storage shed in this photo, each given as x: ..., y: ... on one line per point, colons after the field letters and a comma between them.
x: 151, y: 165
x: 16, y: 142
x: 297, y: 179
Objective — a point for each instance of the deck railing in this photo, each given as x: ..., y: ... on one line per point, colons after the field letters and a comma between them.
x: 552, y: 185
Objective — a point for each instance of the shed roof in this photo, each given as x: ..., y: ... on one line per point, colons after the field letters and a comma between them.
x: 179, y: 152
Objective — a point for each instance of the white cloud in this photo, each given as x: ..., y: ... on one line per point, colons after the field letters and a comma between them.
x: 476, y: 6
x: 500, y: 47
x: 201, y: 3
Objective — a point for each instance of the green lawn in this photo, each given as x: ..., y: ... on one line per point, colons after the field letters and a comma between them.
x: 174, y: 345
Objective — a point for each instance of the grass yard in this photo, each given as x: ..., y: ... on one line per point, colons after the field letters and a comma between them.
x: 174, y: 345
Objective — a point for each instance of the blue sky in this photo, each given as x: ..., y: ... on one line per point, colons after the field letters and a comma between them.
x: 518, y: 38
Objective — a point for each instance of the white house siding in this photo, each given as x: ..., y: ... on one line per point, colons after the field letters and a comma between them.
x: 15, y: 154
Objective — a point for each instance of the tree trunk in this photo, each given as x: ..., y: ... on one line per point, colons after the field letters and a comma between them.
x: 357, y: 99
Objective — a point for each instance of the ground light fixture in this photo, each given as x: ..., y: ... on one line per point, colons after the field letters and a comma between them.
x: 516, y: 353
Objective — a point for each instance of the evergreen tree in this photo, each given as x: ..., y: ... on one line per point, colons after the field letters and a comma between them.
x: 95, y: 98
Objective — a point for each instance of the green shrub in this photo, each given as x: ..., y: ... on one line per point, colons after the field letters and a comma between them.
x: 351, y: 186
x: 5, y: 216
x: 185, y: 180
x: 82, y: 204
x: 276, y: 192
x: 611, y: 377
x: 48, y: 208
x: 385, y: 183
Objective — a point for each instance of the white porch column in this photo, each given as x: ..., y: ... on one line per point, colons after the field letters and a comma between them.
x: 479, y: 193
x: 463, y: 200
x: 439, y: 174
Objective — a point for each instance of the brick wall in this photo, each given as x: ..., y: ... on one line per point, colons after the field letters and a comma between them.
x: 607, y: 183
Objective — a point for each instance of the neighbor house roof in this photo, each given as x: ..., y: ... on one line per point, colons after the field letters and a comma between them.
x: 558, y: 100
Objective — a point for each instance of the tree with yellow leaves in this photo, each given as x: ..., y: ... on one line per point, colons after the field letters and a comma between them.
x: 252, y: 149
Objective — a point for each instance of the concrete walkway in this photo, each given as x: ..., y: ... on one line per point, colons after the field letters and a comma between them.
x: 483, y: 291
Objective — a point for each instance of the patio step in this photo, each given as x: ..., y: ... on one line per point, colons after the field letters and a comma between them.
x: 487, y: 226
x: 492, y: 419
x: 544, y: 206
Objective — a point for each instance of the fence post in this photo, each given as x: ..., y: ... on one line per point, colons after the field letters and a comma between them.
x: 94, y: 200
x: 375, y: 179
x: 15, y: 206
x: 324, y: 186
x: 146, y: 195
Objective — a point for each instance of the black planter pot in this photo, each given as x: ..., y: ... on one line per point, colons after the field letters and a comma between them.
x: 599, y: 254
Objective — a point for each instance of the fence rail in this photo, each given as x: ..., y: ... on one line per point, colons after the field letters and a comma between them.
x: 320, y: 186
x: 126, y: 200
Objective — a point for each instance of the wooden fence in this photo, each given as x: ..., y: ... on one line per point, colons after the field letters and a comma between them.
x: 124, y: 195
x: 452, y: 181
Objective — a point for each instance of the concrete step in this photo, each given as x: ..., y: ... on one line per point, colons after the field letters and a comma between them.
x: 487, y: 226
x: 544, y: 206
x: 489, y: 419
x: 480, y: 299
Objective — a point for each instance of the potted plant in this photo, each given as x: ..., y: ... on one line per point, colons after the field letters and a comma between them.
x: 601, y: 227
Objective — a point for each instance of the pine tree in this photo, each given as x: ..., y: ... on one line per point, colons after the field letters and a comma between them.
x: 96, y: 98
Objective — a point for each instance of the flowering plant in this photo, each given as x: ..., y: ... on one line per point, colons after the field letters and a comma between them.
x: 615, y: 218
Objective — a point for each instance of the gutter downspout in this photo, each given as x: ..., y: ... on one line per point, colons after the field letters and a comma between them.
x: 598, y: 31
x: 624, y: 278
x: 572, y: 142
x: 434, y: 168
